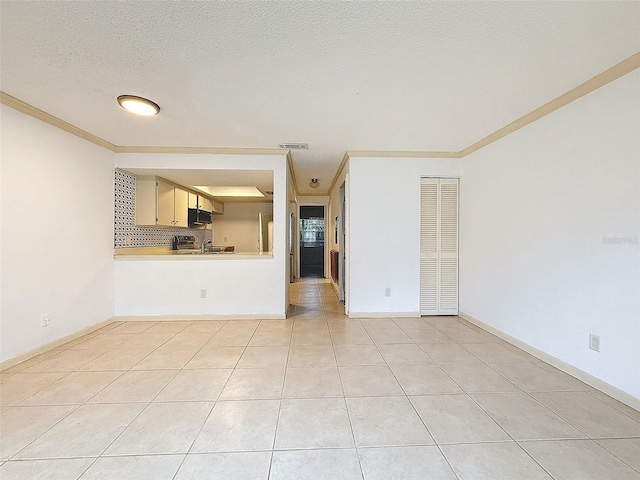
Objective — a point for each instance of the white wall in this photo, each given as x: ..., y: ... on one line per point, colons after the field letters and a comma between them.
x: 384, y: 232
x: 535, y: 209
x: 234, y: 286
x: 57, y: 233
x: 240, y: 225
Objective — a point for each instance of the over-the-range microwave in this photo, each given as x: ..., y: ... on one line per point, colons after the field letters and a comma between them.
x: 199, y: 217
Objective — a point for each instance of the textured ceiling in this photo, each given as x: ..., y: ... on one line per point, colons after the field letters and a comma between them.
x: 341, y: 76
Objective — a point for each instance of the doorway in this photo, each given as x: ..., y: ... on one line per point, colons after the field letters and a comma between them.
x: 312, y: 241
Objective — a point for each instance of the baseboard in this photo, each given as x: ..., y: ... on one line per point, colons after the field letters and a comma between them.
x: 10, y: 362
x: 195, y: 317
x: 383, y: 314
x: 336, y: 288
x: 581, y: 375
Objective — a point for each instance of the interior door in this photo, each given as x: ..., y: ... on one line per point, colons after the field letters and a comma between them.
x: 439, y: 246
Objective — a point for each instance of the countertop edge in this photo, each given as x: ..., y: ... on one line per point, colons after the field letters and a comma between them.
x: 192, y: 257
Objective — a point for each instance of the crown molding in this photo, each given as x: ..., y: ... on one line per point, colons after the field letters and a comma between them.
x: 200, y: 150
x: 345, y: 159
x: 402, y: 154
x: 626, y: 66
x: 34, y: 112
x: 620, y: 69
x: 293, y: 173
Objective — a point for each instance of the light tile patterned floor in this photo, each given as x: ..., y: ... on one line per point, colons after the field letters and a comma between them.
x: 316, y: 396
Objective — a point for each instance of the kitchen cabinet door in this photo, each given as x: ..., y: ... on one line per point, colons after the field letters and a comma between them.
x: 180, y: 207
x: 146, y: 203
x: 204, y: 203
x: 164, y: 196
x: 193, y: 200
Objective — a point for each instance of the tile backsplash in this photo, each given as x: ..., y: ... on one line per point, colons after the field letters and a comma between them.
x: 126, y: 233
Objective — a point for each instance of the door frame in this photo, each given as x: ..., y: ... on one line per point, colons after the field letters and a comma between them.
x: 457, y: 254
x: 342, y: 243
x: 327, y: 265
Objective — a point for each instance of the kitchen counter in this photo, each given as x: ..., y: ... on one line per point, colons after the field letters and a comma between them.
x: 165, y: 253
x: 160, y: 281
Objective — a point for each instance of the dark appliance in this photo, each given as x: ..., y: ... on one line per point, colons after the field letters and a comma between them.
x: 199, y: 217
x: 183, y: 242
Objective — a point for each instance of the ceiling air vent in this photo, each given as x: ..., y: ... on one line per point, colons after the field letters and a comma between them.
x: 294, y: 146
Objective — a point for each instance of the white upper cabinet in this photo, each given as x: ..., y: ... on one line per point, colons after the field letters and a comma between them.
x: 160, y: 203
x: 180, y: 207
x: 204, y: 203
x: 193, y: 200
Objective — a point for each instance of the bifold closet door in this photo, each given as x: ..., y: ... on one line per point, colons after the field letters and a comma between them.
x: 439, y: 246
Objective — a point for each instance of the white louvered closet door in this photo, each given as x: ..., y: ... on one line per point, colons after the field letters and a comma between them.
x: 439, y: 246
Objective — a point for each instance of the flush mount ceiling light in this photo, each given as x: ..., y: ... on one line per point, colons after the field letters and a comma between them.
x: 138, y: 105
x: 231, y: 191
x: 314, y: 183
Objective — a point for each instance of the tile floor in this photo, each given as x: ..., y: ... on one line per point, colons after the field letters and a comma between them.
x: 315, y: 396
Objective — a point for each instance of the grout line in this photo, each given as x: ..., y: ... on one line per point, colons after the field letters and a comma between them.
x: 612, y: 405
x: 321, y: 316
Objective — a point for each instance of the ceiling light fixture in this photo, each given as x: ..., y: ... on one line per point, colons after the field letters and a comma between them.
x: 138, y: 105
x: 314, y: 183
x: 241, y: 191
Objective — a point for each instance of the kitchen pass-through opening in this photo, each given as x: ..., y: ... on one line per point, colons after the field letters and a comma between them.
x: 312, y: 241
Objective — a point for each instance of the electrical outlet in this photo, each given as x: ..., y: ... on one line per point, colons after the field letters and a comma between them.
x: 127, y: 240
x: 387, y: 292
x: 203, y: 293
x: 594, y: 342
x: 225, y: 239
x: 45, y: 320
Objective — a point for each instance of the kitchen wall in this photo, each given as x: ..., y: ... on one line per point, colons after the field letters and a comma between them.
x: 550, y: 222
x: 240, y: 226
x: 251, y: 286
x: 57, y: 233
x: 384, y: 232
x: 127, y: 234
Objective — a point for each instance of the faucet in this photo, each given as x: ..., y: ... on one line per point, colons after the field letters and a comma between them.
x: 203, y: 245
